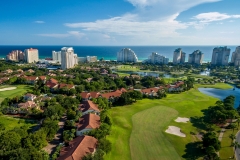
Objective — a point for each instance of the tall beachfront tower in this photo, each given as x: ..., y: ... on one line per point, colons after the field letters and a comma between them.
x: 236, y: 57
x: 179, y: 56
x: 157, y: 58
x: 56, y: 56
x: 126, y: 55
x: 220, y: 56
x: 68, y: 58
x: 196, y: 57
x: 31, y: 55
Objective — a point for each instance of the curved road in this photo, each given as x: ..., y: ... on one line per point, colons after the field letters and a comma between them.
x: 237, y: 150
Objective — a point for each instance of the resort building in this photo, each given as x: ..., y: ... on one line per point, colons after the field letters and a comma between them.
x: 236, y: 57
x: 196, y: 57
x: 179, y: 56
x: 31, y: 55
x: 78, y: 148
x: 15, y: 56
x: 220, y: 56
x: 156, y: 58
x: 87, y: 59
x: 68, y: 58
x: 126, y: 55
x: 56, y: 56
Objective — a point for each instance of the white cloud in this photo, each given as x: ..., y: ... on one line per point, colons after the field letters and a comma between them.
x: 39, y: 22
x: 213, y: 16
x: 151, y: 20
x: 55, y: 35
x: 76, y: 34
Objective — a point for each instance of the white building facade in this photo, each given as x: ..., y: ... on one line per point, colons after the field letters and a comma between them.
x: 56, y: 56
x: 220, y: 56
x: 156, y: 58
x: 88, y: 59
x: 127, y: 55
x: 31, y: 55
x: 236, y: 57
x: 68, y: 58
x: 196, y: 57
x: 179, y: 56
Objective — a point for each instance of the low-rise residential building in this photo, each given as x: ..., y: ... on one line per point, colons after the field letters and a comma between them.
x: 29, y: 97
x: 88, y: 106
x: 175, y: 87
x: 78, y: 148
x: 31, y: 79
x: 24, y: 107
x: 87, y: 123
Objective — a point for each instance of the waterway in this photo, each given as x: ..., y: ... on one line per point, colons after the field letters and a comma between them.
x: 222, y: 94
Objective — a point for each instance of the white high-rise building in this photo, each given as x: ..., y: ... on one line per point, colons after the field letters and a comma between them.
x: 126, y: 55
x: 179, y: 56
x: 56, y: 56
x: 220, y: 56
x: 31, y: 55
x: 68, y: 58
x: 196, y: 57
x: 236, y: 57
x: 156, y: 58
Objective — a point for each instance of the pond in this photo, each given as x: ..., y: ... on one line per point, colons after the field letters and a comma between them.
x: 222, y: 94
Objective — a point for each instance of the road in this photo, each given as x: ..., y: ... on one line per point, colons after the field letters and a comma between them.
x: 50, y: 148
x: 237, y: 151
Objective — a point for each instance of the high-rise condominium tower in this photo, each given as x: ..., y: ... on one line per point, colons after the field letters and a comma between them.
x: 220, y: 56
x: 56, y: 56
x: 179, y: 56
x: 236, y: 57
x: 157, y: 58
x: 15, y: 56
x: 196, y: 57
x: 31, y: 55
x: 68, y: 58
x: 127, y: 55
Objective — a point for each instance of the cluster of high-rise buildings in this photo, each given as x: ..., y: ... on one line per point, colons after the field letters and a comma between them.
x: 29, y: 55
x: 66, y: 57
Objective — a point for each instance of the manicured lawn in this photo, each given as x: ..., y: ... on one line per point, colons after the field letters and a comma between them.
x: 10, y: 122
x: 148, y: 130
x: 227, y: 150
x: 21, y: 89
x: 187, y: 104
x: 217, y: 86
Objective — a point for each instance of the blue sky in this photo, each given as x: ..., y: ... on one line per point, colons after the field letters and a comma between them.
x: 120, y: 22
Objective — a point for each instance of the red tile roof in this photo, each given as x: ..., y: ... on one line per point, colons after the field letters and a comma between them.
x: 85, y: 95
x: 95, y: 94
x: 149, y: 90
x: 78, y: 148
x: 27, y: 104
x: 90, y: 121
x: 88, y: 105
x: 52, y: 83
x: 62, y: 85
x: 31, y: 78
x: 42, y: 77
x: 112, y: 94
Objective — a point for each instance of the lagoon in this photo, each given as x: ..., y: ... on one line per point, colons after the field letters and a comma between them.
x: 222, y: 94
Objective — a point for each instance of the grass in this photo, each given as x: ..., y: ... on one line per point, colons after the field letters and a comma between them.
x: 11, y: 123
x: 226, y: 150
x: 21, y: 89
x: 217, y: 86
x: 148, y: 127
x: 126, y: 126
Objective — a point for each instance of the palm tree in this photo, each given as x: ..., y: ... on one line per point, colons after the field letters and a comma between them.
x: 232, y: 137
x: 235, y: 145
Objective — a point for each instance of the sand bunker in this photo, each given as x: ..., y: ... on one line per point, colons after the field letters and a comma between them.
x: 182, y: 119
x: 7, y: 89
x: 175, y: 131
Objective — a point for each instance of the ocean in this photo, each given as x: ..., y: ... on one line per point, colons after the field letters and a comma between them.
x: 110, y: 52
